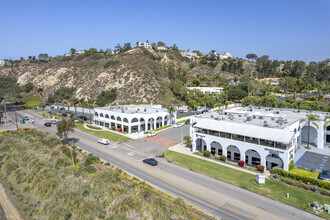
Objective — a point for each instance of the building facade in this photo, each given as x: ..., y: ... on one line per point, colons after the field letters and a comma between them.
x: 144, y: 44
x: 133, y: 118
x: 207, y: 90
x: 258, y: 136
x: 189, y: 55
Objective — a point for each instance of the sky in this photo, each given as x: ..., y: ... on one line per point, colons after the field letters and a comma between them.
x: 281, y: 29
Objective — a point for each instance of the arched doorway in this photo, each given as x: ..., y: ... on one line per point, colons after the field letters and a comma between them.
x: 142, y: 124
x: 166, y: 120
x: 273, y: 161
x: 216, y: 148
x: 233, y: 153
x: 151, y: 123
x: 159, y: 122
x: 312, y: 135
x: 200, y: 145
x: 252, y: 158
x: 327, y: 138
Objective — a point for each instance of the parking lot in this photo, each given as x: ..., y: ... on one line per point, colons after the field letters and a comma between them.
x: 312, y: 161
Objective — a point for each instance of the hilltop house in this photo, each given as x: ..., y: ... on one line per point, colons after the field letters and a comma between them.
x: 144, y: 44
x: 5, y: 62
x: 216, y: 56
x: 163, y: 48
x: 207, y: 90
x: 271, y: 81
x: 189, y: 55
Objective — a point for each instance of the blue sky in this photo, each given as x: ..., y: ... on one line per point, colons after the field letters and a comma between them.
x: 282, y: 29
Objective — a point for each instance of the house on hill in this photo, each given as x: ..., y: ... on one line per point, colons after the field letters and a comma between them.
x: 271, y: 81
x: 189, y: 55
x: 144, y: 44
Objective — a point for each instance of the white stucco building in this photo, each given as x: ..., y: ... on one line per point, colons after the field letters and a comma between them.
x: 133, y: 118
x: 207, y: 90
x: 144, y: 44
x: 257, y: 135
x: 189, y: 55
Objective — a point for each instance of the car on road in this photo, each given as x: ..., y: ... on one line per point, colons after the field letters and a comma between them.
x: 187, y: 122
x: 178, y: 125
x: 103, y: 141
x: 48, y: 124
x: 150, y: 161
x: 61, y: 109
x: 26, y: 118
x: 324, y: 175
x: 153, y: 133
x: 54, y: 122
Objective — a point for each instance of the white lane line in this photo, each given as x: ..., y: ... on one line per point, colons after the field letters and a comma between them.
x: 129, y: 145
x: 130, y: 154
x: 112, y: 146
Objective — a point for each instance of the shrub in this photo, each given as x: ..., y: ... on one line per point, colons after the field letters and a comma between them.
x: 276, y: 176
x: 107, y: 164
x: 91, y: 159
x: 198, y: 153
x: 305, y: 179
x: 314, y: 188
x: 93, y: 127
x: 90, y: 169
x: 287, y: 180
x: 241, y: 163
x: 223, y: 158
x: 113, y: 127
x: 207, y: 153
x: 261, y: 168
x: 111, y: 63
x: 120, y: 129
x: 324, y: 192
x: 291, y: 165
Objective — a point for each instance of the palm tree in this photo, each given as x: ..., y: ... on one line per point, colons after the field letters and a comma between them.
x: 171, y: 109
x: 89, y: 103
x: 310, y: 119
x: 82, y: 104
x: 75, y: 101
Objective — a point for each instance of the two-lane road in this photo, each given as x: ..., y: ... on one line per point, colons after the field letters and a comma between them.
x: 210, y: 195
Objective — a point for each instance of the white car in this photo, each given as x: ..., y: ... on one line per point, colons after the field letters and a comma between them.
x: 153, y: 133
x: 178, y: 125
x: 103, y: 141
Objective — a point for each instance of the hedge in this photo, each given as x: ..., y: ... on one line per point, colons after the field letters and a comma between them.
x: 305, y: 179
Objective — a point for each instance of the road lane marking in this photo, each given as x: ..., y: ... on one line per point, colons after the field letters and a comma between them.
x: 128, y: 145
x: 202, y: 197
x: 213, y: 192
x: 131, y: 154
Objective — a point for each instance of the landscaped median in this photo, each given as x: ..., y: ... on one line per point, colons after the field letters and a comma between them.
x: 272, y: 188
x: 158, y: 129
x: 112, y: 136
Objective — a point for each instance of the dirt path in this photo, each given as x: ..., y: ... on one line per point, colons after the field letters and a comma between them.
x: 10, y: 211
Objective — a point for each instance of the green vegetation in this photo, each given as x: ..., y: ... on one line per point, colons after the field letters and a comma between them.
x: 306, y: 173
x: 104, y: 134
x: 44, y: 184
x: 187, y: 140
x: 111, y: 63
x: 106, y: 97
x: 158, y: 129
x: 64, y: 127
x: 93, y: 127
x: 183, y: 121
x: 32, y: 102
x: 274, y: 189
x: 9, y: 88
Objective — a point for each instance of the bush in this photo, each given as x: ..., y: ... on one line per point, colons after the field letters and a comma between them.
x: 305, y: 179
x: 241, y: 163
x: 120, y: 129
x: 113, y: 127
x: 291, y: 165
x: 223, y: 158
x: 90, y: 169
x: 111, y: 63
x: 261, y: 168
x: 93, y: 127
x: 207, y: 153
x: 287, y: 180
x: 107, y: 164
x: 324, y: 192
x: 91, y: 159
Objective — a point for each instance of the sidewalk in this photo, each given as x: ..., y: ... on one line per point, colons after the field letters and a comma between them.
x: 181, y: 149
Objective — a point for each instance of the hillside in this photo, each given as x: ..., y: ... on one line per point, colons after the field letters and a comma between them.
x: 139, y: 75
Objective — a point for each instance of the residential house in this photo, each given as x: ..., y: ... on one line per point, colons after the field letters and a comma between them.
x: 163, y: 48
x: 5, y: 62
x: 80, y: 52
x: 207, y: 90
x: 189, y: 55
x: 144, y: 44
x: 232, y: 83
x: 271, y: 81
x: 280, y: 68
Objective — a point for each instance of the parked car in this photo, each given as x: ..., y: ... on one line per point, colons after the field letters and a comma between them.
x: 187, y: 122
x: 83, y: 117
x: 26, y: 118
x: 103, y: 141
x: 150, y: 161
x: 48, y: 124
x: 324, y: 175
x: 153, y: 133
x: 178, y: 125
x: 61, y: 109
x: 54, y: 122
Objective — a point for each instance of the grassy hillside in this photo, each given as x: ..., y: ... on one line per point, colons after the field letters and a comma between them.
x: 38, y: 171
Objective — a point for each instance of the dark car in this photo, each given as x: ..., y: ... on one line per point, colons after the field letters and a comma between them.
x: 82, y: 117
x: 62, y: 109
x: 188, y: 121
x: 48, y: 124
x: 150, y: 161
x: 324, y: 175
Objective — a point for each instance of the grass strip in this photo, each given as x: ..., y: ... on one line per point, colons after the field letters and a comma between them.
x: 104, y: 134
x: 158, y: 129
x: 273, y: 189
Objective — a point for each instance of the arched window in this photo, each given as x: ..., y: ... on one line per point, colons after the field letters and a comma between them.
x: 101, y: 115
x: 96, y: 114
x: 106, y: 116
x: 125, y: 120
x: 118, y: 118
x: 112, y: 117
x: 134, y: 120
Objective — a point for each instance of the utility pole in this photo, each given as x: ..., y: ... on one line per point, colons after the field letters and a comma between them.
x: 5, y: 109
x: 16, y: 120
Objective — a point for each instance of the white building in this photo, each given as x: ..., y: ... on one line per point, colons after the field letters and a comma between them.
x: 163, y: 48
x: 224, y: 55
x: 144, y: 44
x: 2, y: 63
x: 133, y: 118
x: 207, y: 90
x: 190, y: 55
x: 80, y: 52
x: 265, y: 136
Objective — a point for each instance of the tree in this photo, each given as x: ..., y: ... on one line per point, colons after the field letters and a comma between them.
x: 72, y: 51
x: 118, y: 47
x: 64, y: 127
x: 127, y: 46
x: 82, y: 104
x: 310, y: 119
x: 170, y: 109
x: 90, y: 102
x: 30, y: 58
x: 106, y: 97
x: 33, y: 58
x: 154, y: 47
x: 235, y: 93
x: 75, y: 101
x: 195, y: 82
x: 22, y: 58
x: 43, y: 57
x: 187, y: 139
x: 159, y: 44
x: 251, y: 56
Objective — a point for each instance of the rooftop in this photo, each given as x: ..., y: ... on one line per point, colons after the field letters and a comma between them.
x: 134, y: 109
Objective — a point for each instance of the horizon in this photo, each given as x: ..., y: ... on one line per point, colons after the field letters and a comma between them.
x: 280, y: 29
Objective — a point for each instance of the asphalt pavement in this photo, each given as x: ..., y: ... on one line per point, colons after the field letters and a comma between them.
x: 210, y: 195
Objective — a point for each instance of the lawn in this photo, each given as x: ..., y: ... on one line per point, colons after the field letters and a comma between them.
x: 104, y: 134
x: 272, y: 188
x: 32, y: 103
x: 306, y: 173
x: 158, y: 129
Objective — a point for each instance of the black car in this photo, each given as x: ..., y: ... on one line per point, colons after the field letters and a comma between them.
x: 82, y: 117
x: 324, y: 175
x: 62, y: 109
x: 188, y: 121
x: 150, y: 161
x: 48, y: 124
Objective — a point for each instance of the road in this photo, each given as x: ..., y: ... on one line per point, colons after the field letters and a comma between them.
x: 215, y: 197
